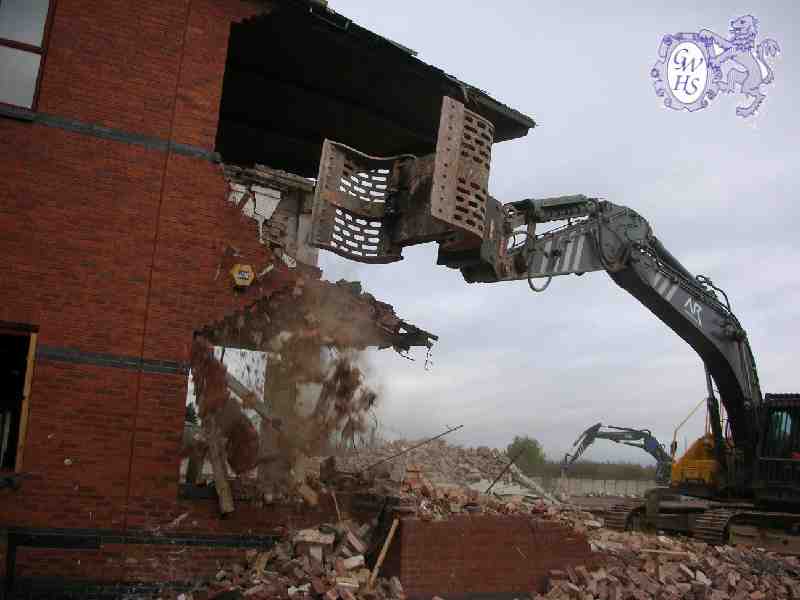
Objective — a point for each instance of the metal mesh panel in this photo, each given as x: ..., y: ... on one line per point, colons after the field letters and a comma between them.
x: 354, y: 235
x: 350, y: 203
x: 357, y: 195
x: 461, y: 174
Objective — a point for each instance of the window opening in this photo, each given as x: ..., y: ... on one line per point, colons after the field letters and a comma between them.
x: 23, y: 32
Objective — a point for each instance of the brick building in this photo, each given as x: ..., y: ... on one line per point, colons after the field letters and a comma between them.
x: 128, y: 133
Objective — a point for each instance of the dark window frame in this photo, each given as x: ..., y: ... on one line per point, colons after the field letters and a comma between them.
x: 32, y: 333
x: 40, y: 50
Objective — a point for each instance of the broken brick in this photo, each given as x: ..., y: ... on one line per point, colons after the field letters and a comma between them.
x: 353, y: 562
x: 355, y: 543
x: 314, y: 536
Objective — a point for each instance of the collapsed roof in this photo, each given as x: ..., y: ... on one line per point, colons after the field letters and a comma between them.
x: 302, y: 73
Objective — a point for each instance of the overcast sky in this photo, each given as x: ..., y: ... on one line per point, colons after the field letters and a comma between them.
x: 719, y: 191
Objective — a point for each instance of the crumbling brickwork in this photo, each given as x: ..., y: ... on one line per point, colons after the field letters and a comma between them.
x: 472, y: 555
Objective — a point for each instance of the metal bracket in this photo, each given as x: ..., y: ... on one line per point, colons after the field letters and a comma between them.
x: 461, y: 175
x: 351, y: 204
x: 367, y: 208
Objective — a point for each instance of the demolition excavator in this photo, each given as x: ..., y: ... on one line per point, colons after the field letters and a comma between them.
x: 635, y: 438
x: 745, y: 473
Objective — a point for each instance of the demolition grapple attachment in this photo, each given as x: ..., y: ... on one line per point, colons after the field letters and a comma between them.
x: 368, y: 208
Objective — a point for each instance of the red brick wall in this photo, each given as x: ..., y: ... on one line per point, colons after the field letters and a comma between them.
x: 127, y: 563
x: 77, y: 219
x: 152, y: 67
x: 250, y: 518
x: 77, y: 452
x: 106, y: 242
x: 481, y: 555
x: 196, y: 226
x: 205, y: 50
x: 115, y: 63
x: 174, y: 562
x: 77, y: 225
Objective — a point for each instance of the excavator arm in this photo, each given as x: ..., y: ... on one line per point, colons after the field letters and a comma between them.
x: 636, y: 438
x: 369, y: 208
x: 598, y: 235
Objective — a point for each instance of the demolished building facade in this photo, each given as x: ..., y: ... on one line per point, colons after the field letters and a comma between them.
x: 157, y: 194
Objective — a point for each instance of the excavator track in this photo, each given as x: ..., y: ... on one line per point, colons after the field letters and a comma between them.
x: 712, y: 526
x: 618, y: 516
x: 778, y: 531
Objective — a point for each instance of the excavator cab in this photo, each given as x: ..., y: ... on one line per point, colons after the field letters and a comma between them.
x: 778, y: 478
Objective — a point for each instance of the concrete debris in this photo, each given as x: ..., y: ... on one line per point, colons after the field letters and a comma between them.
x: 355, y: 543
x: 279, y: 203
x: 593, y: 524
x: 255, y: 202
x: 424, y: 491
x: 353, y: 562
x: 314, y: 536
x: 308, y: 494
x: 177, y: 521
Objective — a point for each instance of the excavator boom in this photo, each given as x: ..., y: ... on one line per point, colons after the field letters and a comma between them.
x: 368, y: 209
x: 636, y: 438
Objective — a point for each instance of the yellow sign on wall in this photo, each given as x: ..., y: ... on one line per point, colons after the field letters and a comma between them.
x: 243, y: 275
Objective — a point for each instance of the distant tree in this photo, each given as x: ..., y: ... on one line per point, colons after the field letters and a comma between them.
x: 531, y: 456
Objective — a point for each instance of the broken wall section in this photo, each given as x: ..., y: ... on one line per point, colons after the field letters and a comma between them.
x: 470, y: 555
x: 207, y: 228
x: 294, y: 319
x: 280, y: 203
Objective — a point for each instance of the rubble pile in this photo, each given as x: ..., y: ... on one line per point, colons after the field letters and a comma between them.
x: 441, y: 464
x: 411, y: 488
x: 327, y: 562
x: 640, y: 566
x: 330, y: 562
x: 439, y: 461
